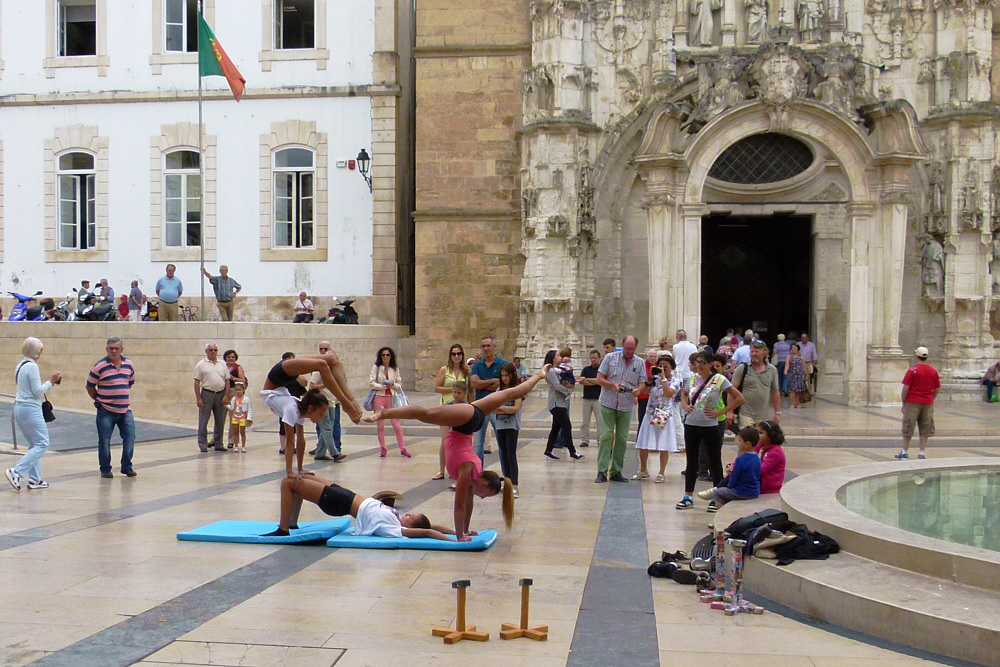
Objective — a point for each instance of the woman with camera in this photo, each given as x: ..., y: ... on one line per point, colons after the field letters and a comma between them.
x: 656, y: 432
x: 28, y: 416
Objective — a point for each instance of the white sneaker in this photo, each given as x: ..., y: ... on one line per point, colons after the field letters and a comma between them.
x: 516, y: 494
x: 902, y: 456
x: 921, y: 455
x: 37, y: 484
x: 642, y: 474
x: 13, y: 478
x: 706, y: 494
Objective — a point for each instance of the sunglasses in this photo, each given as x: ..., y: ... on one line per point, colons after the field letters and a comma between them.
x: 386, y: 354
x: 324, y: 349
x: 457, y: 354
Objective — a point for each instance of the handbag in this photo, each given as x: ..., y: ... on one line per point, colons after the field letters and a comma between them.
x: 399, y: 399
x: 369, y: 403
x: 48, y: 414
x: 660, y: 417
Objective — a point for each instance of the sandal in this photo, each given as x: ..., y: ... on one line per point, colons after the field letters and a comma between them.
x: 440, y: 475
x: 685, y: 504
x: 659, y: 479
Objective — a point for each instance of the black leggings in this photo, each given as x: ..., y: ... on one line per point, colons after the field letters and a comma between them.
x: 560, y: 422
x: 335, y: 500
x: 507, y: 440
x: 696, y: 438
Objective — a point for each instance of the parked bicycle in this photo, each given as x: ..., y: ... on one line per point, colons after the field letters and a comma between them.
x: 188, y: 313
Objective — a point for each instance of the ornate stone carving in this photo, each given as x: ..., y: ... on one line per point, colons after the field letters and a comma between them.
x: 937, y: 216
x: 954, y: 71
x: 657, y: 199
x: 837, y: 75
x: 932, y: 267
x: 995, y: 264
x: 779, y: 77
x: 756, y: 16
x: 895, y: 29
x: 702, y: 27
x: 995, y: 198
x: 810, y: 20
x: 927, y: 73
x: 619, y: 27
x: 970, y: 207
x: 585, y: 204
x: 556, y: 225
x: 529, y: 206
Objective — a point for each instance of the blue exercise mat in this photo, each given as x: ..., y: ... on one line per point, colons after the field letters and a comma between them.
x: 348, y: 540
x: 251, y: 532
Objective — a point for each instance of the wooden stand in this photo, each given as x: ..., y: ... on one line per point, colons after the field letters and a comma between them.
x: 461, y: 631
x: 537, y: 632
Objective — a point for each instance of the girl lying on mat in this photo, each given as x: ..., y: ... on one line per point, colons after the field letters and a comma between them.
x: 463, y: 464
x: 372, y: 515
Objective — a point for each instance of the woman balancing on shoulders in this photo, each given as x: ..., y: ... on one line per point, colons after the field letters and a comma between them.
x: 374, y: 516
x: 463, y: 464
x: 292, y: 412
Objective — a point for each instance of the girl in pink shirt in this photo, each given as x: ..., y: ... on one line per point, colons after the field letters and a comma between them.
x: 772, y: 456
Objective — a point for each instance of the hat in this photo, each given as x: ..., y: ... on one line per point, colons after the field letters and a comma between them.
x: 921, y: 352
x: 734, y: 341
x: 781, y: 336
x: 471, y: 361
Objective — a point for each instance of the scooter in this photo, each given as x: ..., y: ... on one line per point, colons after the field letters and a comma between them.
x: 21, y: 312
x: 95, y: 308
x: 64, y: 312
x: 342, y: 313
x: 152, y: 313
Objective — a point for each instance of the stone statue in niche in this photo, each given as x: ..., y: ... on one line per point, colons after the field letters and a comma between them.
x: 995, y: 264
x: 702, y: 21
x: 971, y: 211
x: 756, y: 14
x: 937, y: 184
x: 932, y: 267
x: 810, y: 15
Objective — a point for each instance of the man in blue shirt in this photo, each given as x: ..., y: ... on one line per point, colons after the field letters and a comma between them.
x: 169, y: 291
x: 486, y: 380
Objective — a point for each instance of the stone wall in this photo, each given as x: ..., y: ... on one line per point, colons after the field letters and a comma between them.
x: 470, y: 59
x: 165, y: 354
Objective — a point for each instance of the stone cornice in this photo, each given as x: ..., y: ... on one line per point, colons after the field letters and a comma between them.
x: 472, y: 50
x: 558, y: 124
x: 463, y: 214
x: 157, y: 96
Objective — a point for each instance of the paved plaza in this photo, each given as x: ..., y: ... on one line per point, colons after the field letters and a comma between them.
x: 95, y: 576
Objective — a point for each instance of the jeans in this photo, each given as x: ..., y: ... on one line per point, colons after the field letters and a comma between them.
x: 709, y: 438
x: 989, y: 389
x: 29, y: 419
x: 480, y: 438
x: 106, y: 422
x: 212, y: 402
x: 507, y: 442
x: 782, y: 378
x: 328, y: 433
x: 591, y: 408
x: 614, y: 440
x: 561, y: 424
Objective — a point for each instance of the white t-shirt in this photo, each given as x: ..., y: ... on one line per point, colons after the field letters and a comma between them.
x: 283, y: 405
x: 682, y: 355
x: 377, y: 519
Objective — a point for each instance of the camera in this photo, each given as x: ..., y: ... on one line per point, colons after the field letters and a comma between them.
x: 624, y: 389
x: 655, y: 370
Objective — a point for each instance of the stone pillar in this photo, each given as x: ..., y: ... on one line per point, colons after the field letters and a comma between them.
x: 664, y: 265
x: 689, y: 267
x: 860, y: 219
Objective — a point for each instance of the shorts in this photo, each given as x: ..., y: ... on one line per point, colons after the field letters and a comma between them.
x: 474, y: 424
x: 335, y: 500
x: 918, y: 414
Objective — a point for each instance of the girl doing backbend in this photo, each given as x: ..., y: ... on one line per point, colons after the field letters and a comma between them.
x: 463, y: 464
x: 373, y: 516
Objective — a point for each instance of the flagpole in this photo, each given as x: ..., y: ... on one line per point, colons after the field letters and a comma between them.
x: 201, y: 176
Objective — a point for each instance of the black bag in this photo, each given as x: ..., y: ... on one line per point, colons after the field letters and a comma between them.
x: 661, y: 569
x: 48, y: 414
x: 741, y: 527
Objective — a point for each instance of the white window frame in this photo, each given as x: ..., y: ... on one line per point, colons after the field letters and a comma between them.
x: 84, y: 201
x: 160, y: 56
x: 270, y: 53
x: 185, y: 23
x: 53, y: 61
x: 186, y: 176
x: 296, y: 224
x: 278, y: 23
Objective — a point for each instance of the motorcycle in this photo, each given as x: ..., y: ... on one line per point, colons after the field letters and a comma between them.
x: 95, y: 308
x: 342, y: 313
x: 21, y: 312
x: 152, y: 313
x: 64, y: 312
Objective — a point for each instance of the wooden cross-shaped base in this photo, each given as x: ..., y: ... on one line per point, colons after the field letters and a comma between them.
x: 537, y: 632
x: 461, y: 631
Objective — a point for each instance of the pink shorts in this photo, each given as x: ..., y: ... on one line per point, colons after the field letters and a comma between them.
x: 458, y: 450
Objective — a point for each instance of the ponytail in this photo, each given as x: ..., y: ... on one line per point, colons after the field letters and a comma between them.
x: 313, y: 398
x: 496, y: 484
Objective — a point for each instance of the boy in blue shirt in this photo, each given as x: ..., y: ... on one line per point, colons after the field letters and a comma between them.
x: 743, y: 480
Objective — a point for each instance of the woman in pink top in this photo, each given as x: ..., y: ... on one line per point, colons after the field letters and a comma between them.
x: 772, y: 456
x: 461, y: 461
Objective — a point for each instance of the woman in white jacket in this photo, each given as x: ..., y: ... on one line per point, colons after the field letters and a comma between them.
x: 384, y: 380
x: 28, y: 415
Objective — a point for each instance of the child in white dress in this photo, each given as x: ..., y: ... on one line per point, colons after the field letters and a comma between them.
x: 240, y: 416
x: 656, y: 433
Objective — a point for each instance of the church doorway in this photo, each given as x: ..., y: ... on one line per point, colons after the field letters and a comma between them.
x: 756, y: 271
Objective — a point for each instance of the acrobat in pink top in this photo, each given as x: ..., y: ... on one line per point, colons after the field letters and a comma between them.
x: 458, y: 450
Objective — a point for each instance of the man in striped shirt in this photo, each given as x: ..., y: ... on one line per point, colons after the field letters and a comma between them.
x: 108, y: 384
x: 619, y: 375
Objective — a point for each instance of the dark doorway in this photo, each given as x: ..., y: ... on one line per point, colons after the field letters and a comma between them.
x: 755, y: 272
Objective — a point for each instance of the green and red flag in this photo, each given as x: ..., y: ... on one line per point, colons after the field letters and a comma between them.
x: 213, y: 61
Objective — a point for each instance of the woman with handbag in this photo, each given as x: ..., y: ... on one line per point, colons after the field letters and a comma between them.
x: 657, y: 433
x: 795, y: 371
x: 28, y: 414
x: 384, y: 380
x: 456, y: 370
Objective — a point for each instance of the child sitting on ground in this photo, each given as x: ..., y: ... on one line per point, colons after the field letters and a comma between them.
x: 566, y: 367
x: 743, y: 482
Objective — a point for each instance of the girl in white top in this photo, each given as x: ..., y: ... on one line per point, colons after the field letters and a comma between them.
x: 28, y: 415
x: 384, y: 380
x: 662, y: 438
x: 373, y: 516
x: 240, y: 416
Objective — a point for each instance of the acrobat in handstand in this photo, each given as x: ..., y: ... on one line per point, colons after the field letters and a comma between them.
x: 461, y: 461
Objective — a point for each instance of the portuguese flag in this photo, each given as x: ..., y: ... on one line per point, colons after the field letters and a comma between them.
x: 213, y: 61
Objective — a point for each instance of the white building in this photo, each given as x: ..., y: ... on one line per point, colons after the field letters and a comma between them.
x: 99, y: 139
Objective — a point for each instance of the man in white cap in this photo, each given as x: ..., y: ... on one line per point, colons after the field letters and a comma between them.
x: 921, y: 385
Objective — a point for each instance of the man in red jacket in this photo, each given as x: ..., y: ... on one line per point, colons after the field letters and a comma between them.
x: 921, y: 385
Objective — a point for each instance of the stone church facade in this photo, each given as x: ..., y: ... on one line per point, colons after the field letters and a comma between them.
x: 585, y: 168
